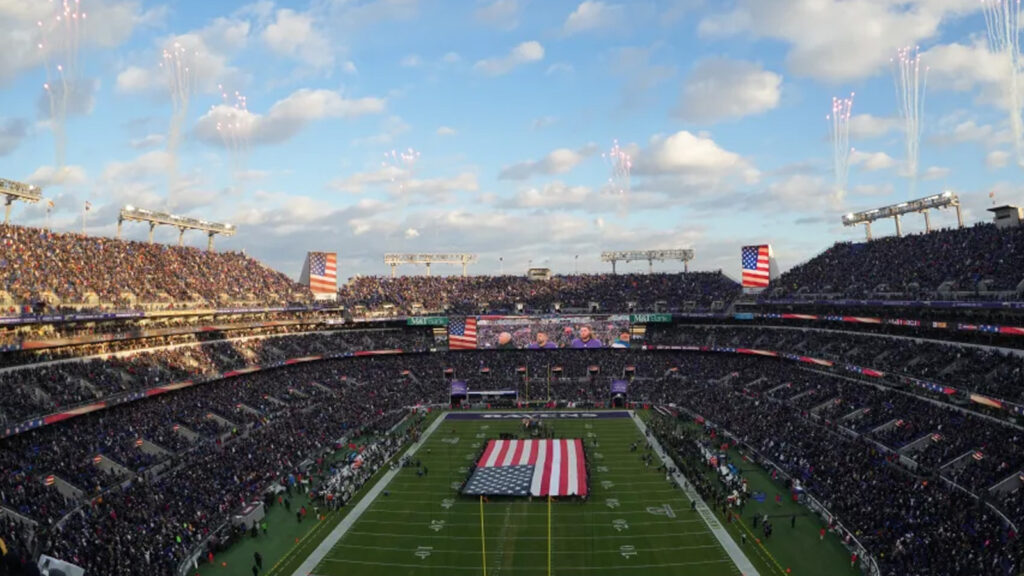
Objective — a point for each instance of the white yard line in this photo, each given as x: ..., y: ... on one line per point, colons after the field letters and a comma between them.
x: 731, y: 548
x: 346, y: 523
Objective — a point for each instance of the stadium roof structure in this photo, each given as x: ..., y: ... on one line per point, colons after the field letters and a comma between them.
x: 683, y: 254
x: 394, y: 260
x: 946, y: 199
x: 18, y: 191
x: 182, y: 223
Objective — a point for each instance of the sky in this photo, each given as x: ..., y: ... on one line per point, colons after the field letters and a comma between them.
x: 488, y: 126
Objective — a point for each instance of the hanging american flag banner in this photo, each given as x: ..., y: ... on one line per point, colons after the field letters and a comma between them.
x: 323, y: 272
x: 756, y: 262
x: 462, y: 333
x: 548, y: 467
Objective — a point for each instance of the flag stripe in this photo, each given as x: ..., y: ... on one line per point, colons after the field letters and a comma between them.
x: 514, y: 456
x: 554, y: 467
x: 581, y: 468
x: 538, y: 470
x: 568, y: 464
x: 487, y: 454
x: 499, y: 458
x: 528, y: 454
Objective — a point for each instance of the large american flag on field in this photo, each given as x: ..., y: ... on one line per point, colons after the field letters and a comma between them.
x: 462, y: 333
x: 548, y: 467
x: 756, y: 266
x: 323, y: 272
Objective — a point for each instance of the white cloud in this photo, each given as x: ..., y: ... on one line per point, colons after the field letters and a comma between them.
x: 684, y: 153
x: 148, y: 141
x: 398, y: 182
x: 543, y: 122
x: 558, y: 161
x: 594, y: 15
x: 872, y: 161
x: 721, y: 89
x: 446, y: 131
x: 503, y: 14
x: 559, y: 68
x: 207, y: 52
x: 867, y: 127
x: 997, y: 159
x: 935, y: 173
x: 22, y: 36
x: 411, y: 233
x: 824, y: 37
x: 293, y: 35
x: 524, y: 53
x: 46, y: 176
x: 552, y: 195
x: 286, y: 117
x: 12, y: 132
x: 411, y: 61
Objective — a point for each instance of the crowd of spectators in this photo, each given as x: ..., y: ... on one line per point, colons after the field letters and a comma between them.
x: 996, y: 372
x: 912, y: 525
x: 473, y: 294
x: 31, y: 391
x: 913, y: 266
x: 72, y: 266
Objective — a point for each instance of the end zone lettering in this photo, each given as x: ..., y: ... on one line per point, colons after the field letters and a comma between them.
x: 538, y: 415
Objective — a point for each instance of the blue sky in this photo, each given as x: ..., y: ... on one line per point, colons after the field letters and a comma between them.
x: 509, y: 105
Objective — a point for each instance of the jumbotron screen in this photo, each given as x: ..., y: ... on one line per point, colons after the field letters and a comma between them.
x: 521, y: 332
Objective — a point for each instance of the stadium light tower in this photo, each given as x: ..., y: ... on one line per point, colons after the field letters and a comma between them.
x: 17, y: 191
x: 394, y: 260
x: 946, y: 199
x: 683, y: 254
x: 182, y: 223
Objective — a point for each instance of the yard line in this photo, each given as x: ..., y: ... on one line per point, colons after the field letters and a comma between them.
x: 474, y: 552
x: 477, y: 538
x: 449, y: 524
x: 531, y: 570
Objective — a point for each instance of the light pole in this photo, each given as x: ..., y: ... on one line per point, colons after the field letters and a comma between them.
x: 576, y: 265
x: 501, y: 265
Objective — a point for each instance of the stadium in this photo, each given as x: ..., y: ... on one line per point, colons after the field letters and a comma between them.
x: 711, y: 363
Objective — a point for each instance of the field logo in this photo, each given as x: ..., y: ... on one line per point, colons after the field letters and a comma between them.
x: 627, y: 550
x: 620, y: 524
x: 663, y: 510
x: 598, y: 456
x: 437, y: 525
x: 481, y: 436
x: 423, y: 552
x: 456, y: 485
x: 612, y: 502
x: 591, y: 435
x: 447, y: 503
x: 602, y: 468
x: 463, y: 470
x: 452, y: 440
x: 607, y: 484
x: 588, y: 426
x: 470, y: 456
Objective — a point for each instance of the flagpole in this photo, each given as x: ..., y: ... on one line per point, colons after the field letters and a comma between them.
x: 549, y: 535
x: 483, y: 542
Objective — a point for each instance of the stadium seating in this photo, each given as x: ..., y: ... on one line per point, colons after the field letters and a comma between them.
x: 982, y: 261
x: 474, y: 294
x: 68, y: 269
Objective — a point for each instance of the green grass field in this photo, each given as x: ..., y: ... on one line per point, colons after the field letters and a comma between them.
x: 635, y: 521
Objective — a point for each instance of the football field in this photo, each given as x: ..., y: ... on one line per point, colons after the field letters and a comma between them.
x: 634, y: 522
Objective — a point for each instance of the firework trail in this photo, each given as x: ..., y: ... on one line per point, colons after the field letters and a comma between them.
x: 1002, y: 23
x: 235, y: 128
x: 839, y: 130
x: 911, y: 86
x: 399, y: 166
x: 177, y: 62
x: 621, y: 164
x: 60, y: 43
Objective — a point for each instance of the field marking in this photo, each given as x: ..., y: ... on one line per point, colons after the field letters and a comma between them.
x: 465, y: 552
x: 737, y: 556
x: 477, y: 538
x: 447, y: 524
x: 531, y: 570
x: 321, y: 551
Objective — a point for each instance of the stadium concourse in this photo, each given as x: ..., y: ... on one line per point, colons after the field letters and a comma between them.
x: 149, y: 393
